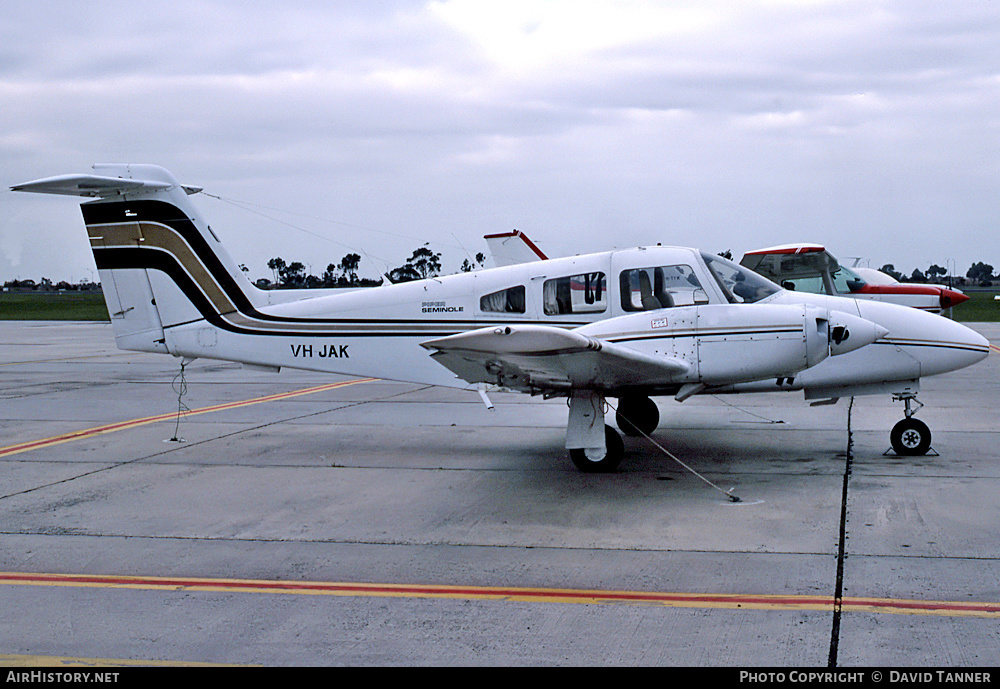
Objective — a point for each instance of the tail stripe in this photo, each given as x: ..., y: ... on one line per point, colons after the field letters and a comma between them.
x: 143, y: 214
x: 161, y: 229
x: 233, y: 321
x: 141, y: 237
x: 155, y: 235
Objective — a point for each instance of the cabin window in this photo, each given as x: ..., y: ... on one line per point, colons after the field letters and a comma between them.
x: 586, y: 293
x: 647, y: 289
x: 509, y: 300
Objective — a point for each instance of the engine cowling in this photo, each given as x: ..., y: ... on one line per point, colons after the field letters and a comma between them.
x: 746, y: 342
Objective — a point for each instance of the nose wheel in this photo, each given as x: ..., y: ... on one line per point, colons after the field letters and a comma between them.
x: 910, y: 436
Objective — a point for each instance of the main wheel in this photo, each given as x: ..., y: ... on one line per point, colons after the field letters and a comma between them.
x: 637, y: 415
x: 910, y: 437
x: 612, y: 458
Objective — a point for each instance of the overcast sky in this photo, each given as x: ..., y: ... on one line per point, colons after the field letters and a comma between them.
x: 373, y: 127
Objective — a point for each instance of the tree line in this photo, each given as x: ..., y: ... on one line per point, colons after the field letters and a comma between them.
x: 293, y: 275
x: 425, y: 263
x: 46, y: 285
x: 978, y: 274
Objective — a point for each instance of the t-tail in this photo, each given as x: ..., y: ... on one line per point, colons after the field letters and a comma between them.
x: 159, y: 262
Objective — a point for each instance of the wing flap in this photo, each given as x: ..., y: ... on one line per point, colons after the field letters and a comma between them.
x: 538, y: 357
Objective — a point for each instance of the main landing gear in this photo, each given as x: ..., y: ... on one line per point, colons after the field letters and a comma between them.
x: 593, y: 446
x: 590, y: 461
x: 910, y: 436
x: 596, y: 447
x: 637, y: 415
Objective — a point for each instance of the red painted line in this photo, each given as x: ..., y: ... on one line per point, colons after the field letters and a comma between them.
x: 538, y: 595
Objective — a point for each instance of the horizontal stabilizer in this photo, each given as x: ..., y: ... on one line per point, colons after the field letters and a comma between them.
x: 95, y: 186
x: 546, y: 358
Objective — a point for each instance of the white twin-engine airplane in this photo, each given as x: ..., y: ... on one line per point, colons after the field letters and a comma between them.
x: 629, y: 324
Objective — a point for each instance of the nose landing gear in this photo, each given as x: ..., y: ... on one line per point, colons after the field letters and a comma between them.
x: 910, y: 436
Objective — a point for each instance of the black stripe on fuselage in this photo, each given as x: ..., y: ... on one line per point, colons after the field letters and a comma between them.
x: 154, y: 259
x: 170, y: 216
x: 934, y: 345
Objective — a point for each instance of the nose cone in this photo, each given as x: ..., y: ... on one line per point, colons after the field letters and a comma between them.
x: 952, y: 297
x: 848, y: 332
x: 938, y: 343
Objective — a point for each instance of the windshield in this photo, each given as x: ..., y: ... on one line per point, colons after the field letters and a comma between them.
x: 740, y: 285
x: 846, y: 281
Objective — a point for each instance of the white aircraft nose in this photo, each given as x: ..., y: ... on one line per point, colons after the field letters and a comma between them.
x: 938, y: 343
x: 848, y: 332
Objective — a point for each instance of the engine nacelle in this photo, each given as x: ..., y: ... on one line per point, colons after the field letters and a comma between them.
x: 746, y: 342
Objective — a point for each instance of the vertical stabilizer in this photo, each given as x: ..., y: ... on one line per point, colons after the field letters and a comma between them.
x: 512, y: 248
x: 160, y: 263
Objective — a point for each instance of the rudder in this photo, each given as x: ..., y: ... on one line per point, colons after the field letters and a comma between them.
x: 160, y: 264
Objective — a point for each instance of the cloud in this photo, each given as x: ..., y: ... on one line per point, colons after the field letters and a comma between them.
x: 869, y: 126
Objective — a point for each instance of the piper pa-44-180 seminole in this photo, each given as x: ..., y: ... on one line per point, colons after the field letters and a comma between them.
x: 628, y: 324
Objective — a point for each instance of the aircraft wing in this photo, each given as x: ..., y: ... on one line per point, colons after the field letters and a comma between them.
x: 539, y: 358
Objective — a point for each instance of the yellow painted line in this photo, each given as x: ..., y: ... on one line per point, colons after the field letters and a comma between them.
x: 64, y: 358
x: 62, y: 661
x: 134, y: 423
x: 512, y: 594
x: 994, y: 348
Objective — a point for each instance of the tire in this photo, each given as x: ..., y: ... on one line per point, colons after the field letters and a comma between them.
x: 910, y: 437
x: 640, y: 410
x: 612, y: 458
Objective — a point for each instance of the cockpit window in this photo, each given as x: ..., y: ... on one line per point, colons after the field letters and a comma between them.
x: 812, y: 284
x: 505, y: 301
x: 846, y: 281
x: 586, y: 293
x: 646, y: 289
x: 740, y: 285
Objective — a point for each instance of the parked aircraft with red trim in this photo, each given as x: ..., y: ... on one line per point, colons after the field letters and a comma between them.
x: 811, y: 268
